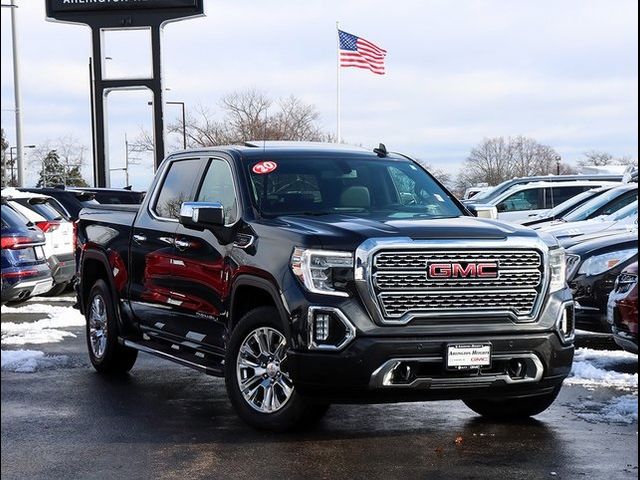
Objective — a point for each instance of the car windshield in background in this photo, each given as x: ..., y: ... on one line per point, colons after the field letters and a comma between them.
x: 361, y: 187
x: 588, y: 209
x: 627, y: 213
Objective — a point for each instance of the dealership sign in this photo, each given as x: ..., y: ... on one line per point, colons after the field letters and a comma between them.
x: 102, y: 5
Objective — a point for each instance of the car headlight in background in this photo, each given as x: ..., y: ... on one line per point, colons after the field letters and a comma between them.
x: 601, y: 263
x: 323, y: 271
x: 558, y: 269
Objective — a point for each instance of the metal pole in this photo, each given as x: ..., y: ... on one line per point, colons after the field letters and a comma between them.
x: 338, y: 126
x: 126, y: 161
x: 184, y: 126
x: 17, y: 96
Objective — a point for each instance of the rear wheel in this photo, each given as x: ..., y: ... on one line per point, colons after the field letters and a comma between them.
x: 106, y: 354
x: 513, y: 408
x: 257, y: 377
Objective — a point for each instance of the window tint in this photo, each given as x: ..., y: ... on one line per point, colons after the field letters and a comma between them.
x: 620, y: 202
x: 177, y: 188
x: 218, y: 187
x: 557, y: 195
x: 522, y: 200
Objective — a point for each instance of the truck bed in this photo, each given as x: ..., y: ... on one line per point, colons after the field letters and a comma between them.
x: 110, y: 214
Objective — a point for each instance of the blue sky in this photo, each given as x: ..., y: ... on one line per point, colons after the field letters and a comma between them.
x: 565, y: 73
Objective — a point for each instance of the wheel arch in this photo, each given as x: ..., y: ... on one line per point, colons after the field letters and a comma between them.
x: 95, y: 266
x: 251, y: 292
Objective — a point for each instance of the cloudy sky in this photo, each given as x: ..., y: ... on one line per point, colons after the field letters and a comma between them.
x: 565, y: 73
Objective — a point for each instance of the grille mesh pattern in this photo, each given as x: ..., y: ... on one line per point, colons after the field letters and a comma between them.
x: 401, y: 284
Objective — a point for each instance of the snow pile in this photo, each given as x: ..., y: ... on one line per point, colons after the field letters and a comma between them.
x: 622, y: 410
x: 29, y: 361
x: 41, y: 331
x: 596, y: 368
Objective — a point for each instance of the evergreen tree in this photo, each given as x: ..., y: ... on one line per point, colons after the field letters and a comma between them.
x: 51, y: 171
x: 6, y: 167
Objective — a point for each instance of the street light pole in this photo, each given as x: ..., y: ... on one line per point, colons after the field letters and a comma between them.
x: 17, y: 96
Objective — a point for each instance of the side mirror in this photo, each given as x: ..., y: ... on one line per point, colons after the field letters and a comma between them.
x: 483, y: 211
x: 200, y: 215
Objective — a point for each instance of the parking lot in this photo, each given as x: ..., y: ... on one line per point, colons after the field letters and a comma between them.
x: 62, y: 420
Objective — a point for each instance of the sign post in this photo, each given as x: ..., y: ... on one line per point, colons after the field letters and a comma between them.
x: 104, y: 15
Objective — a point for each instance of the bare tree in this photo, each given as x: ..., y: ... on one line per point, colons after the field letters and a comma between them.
x: 498, y: 159
x: 244, y: 116
x: 600, y: 159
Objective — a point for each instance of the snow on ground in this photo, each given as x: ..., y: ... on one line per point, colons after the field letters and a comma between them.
x: 46, y: 330
x: 29, y: 361
x: 70, y: 299
x: 622, y: 410
x: 597, y: 368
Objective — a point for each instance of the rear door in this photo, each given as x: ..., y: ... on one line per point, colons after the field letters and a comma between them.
x: 556, y: 196
x: 153, y: 256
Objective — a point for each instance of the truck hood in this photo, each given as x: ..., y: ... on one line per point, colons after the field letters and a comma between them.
x: 347, y: 232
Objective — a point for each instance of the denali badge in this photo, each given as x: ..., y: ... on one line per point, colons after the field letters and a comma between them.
x: 463, y: 270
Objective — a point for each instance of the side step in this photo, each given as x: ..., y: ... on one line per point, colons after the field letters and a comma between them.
x: 178, y: 354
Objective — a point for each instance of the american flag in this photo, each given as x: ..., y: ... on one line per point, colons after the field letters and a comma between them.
x: 360, y: 53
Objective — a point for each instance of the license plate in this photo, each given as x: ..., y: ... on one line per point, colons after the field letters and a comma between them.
x: 41, y: 288
x: 463, y: 357
x: 39, y: 253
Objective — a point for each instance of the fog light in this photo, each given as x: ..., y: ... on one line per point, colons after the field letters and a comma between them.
x: 328, y: 329
x: 322, y: 321
x: 566, y: 323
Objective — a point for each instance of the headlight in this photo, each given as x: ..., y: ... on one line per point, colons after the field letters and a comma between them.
x: 601, y: 263
x: 323, y: 271
x: 558, y: 269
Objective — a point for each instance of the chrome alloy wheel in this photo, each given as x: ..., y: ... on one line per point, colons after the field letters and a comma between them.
x: 260, y: 367
x: 98, y: 326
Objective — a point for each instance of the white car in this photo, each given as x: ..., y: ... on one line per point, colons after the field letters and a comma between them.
x: 524, y: 202
x: 51, y: 217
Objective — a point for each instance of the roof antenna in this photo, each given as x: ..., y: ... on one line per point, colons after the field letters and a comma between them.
x: 381, y: 151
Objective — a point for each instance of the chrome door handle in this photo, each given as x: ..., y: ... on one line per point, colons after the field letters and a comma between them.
x: 182, y: 245
x: 139, y: 238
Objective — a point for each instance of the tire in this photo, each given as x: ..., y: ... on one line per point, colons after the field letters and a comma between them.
x: 56, y: 290
x: 285, y: 411
x: 106, y: 354
x: 513, y: 408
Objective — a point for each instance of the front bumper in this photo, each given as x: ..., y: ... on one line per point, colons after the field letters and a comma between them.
x: 354, y: 374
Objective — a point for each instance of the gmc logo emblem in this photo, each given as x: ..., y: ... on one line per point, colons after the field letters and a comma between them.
x: 463, y: 270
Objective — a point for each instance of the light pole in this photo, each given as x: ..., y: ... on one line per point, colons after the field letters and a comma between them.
x: 184, y: 121
x: 558, y: 160
x: 16, y: 93
x: 11, y: 160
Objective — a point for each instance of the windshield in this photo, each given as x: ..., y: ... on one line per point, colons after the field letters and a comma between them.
x: 626, y: 213
x: 570, y: 204
x: 587, y: 210
x: 361, y: 187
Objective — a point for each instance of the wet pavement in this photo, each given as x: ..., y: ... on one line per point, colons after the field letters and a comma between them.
x: 166, y: 421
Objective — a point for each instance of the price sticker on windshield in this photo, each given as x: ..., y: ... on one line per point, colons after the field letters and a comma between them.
x: 264, y: 168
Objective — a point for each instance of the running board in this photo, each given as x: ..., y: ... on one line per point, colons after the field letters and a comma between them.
x: 180, y: 356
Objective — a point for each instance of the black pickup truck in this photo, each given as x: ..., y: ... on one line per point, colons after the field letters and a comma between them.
x: 307, y: 275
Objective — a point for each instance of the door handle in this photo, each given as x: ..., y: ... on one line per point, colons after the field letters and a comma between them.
x: 182, y: 245
x: 139, y: 238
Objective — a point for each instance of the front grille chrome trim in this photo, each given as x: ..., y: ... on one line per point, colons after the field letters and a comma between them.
x: 365, y: 270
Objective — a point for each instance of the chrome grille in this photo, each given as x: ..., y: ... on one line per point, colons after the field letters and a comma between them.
x: 401, y: 286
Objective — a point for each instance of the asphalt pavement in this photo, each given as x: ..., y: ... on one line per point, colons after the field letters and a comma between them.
x: 167, y: 421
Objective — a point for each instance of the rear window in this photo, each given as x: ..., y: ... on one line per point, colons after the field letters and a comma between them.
x: 45, y: 210
x: 11, y: 218
x: 119, y: 198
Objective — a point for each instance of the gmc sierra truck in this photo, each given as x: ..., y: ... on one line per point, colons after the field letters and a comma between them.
x: 307, y: 275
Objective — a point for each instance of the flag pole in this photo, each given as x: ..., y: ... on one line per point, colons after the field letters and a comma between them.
x: 338, y: 126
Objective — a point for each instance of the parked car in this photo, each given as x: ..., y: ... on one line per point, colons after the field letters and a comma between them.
x: 625, y: 219
x: 556, y: 213
x: 306, y: 275
x: 525, y: 201
x: 493, y: 192
x: 605, y: 204
x: 592, y: 268
x: 114, y: 196
x: 25, y: 272
x: 71, y: 199
x: 622, y: 312
x: 47, y: 214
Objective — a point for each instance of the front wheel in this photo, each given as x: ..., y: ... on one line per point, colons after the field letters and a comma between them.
x: 106, y: 354
x: 513, y: 408
x: 257, y: 376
